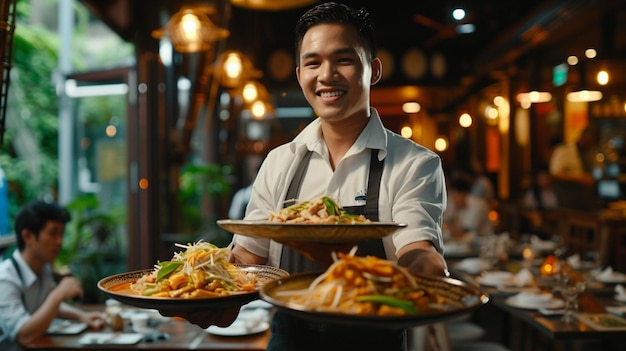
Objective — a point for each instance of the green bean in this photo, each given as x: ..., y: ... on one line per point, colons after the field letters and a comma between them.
x: 405, y: 305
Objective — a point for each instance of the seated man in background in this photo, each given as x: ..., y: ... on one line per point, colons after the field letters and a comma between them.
x: 466, y: 214
x: 30, y: 299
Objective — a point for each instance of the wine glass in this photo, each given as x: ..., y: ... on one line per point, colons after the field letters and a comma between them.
x: 570, y: 289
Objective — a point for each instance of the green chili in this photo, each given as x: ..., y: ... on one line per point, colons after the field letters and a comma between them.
x: 331, y: 207
x: 167, y: 267
x: 405, y: 305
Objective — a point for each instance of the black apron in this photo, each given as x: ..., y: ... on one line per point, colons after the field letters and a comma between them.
x: 290, y: 333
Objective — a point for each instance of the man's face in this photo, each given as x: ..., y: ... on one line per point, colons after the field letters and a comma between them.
x: 334, y: 72
x: 48, y: 244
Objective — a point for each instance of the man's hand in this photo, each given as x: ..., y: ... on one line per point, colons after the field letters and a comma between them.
x: 69, y: 288
x: 422, y: 258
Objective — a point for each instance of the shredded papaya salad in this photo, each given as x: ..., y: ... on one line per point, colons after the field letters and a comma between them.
x: 323, y: 210
x: 364, y: 286
x: 202, y: 270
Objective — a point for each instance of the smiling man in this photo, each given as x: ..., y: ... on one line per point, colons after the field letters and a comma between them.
x: 348, y: 155
x: 30, y: 298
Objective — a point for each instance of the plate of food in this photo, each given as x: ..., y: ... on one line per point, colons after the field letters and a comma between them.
x: 602, y: 321
x: 172, y: 286
x: 371, y: 292
x: 321, y: 220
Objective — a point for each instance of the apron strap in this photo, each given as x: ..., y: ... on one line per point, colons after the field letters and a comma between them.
x: 19, y: 273
x: 293, y: 261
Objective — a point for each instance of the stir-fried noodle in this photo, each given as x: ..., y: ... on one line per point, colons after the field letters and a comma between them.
x: 365, y: 286
x: 201, y: 270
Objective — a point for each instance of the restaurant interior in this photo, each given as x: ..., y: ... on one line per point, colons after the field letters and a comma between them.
x: 497, y: 90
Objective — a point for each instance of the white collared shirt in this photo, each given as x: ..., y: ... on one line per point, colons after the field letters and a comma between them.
x: 32, y: 288
x: 412, y: 188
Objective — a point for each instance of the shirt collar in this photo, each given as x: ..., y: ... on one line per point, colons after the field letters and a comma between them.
x: 28, y: 276
x: 373, y: 136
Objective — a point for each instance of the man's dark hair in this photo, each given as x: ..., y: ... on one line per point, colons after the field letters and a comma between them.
x: 34, y: 216
x: 334, y: 13
x: 460, y: 184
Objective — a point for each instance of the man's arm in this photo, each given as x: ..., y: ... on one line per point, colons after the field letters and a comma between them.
x: 421, y: 257
x: 38, y: 323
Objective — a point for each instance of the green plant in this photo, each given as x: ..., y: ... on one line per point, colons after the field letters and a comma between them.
x: 199, y: 182
x: 92, y: 248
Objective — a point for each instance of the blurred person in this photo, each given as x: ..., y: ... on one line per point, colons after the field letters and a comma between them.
x: 539, y: 197
x: 346, y: 153
x: 240, y: 199
x: 541, y: 194
x: 575, y: 160
x: 466, y: 214
x: 30, y: 299
x: 481, y: 185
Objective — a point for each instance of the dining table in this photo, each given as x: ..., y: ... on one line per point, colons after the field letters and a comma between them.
x: 165, y: 333
x: 527, y: 328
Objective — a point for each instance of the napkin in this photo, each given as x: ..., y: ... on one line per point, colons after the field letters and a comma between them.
x: 473, y: 265
x: 574, y: 261
x: 537, y: 244
x: 605, y: 274
x: 620, y: 292
x: 523, y: 278
x: 533, y: 297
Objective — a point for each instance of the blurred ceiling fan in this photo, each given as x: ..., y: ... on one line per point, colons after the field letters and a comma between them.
x: 444, y: 31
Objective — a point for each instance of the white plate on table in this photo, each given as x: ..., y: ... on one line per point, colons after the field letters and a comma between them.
x: 496, y: 278
x: 249, y: 321
x: 238, y: 328
x: 110, y: 338
x: 473, y: 265
x: 534, y: 304
x: 613, y: 278
x: 602, y: 321
x: 66, y: 327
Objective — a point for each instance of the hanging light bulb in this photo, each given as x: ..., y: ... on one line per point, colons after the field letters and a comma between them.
x: 191, y: 30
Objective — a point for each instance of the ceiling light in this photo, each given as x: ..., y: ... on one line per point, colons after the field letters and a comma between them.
x: 584, y: 96
x: 272, y: 5
x: 572, y: 60
x: 534, y: 97
x: 191, y: 30
x: 591, y: 53
x: 458, y: 14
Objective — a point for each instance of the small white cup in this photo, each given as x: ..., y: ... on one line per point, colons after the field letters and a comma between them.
x: 139, y: 321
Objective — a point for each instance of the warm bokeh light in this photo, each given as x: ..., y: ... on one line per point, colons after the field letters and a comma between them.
x: 572, y: 60
x: 498, y: 100
x: 250, y: 92
x: 441, y: 144
x: 603, y: 77
x: 111, y: 130
x: 258, y: 109
x: 491, y: 112
x: 584, y: 96
x: 233, y: 66
x: 525, y: 104
x: 534, y: 97
x: 591, y: 53
x: 549, y: 265
x: 493, y: 216
x: 411, y: 107
x: 465, y: 120
x: 528, y: 253
x: 143, y: 183
x: 406, y: 132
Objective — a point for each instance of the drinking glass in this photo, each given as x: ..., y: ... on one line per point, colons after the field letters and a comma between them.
x: 570, y: 289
